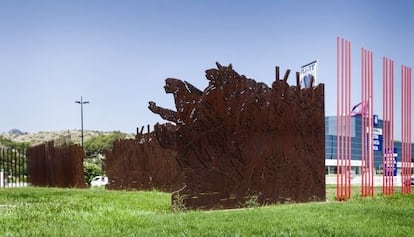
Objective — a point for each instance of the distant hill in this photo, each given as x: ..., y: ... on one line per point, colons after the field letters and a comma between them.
x: 41, y: 137
x: 15, y: 131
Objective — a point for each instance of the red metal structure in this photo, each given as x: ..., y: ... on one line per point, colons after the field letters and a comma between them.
x: 388, y: 126
x: 406, y: 128
x: 367, y: 154
x: 367, y: 125
x: 343, y: 124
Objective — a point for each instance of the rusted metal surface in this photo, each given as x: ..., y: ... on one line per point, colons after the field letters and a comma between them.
x: 142, y: 164
x: 51, y: 166
x: 240, y: 140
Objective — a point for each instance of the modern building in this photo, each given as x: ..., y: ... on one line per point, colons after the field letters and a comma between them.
x: 356, y: 145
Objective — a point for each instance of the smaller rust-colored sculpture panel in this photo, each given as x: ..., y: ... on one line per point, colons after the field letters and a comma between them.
x: 142, y: 164
x: 51, y: 166
x: 240, y: 140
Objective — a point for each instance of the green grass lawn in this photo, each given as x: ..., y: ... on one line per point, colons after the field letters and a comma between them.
x: 96, y: 212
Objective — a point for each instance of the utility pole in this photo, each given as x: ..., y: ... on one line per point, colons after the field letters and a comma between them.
x: 81, y: 102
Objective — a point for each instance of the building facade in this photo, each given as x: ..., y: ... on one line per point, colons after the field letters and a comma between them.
x: 356, y: 145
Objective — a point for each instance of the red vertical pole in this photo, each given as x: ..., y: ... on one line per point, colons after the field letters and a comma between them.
x: 385, y: 114
x: 346, y: 112
x: 343, y: 75
x: 403, y: 152
x: 385, y: 126
x: 385, y: 122
x: 409, y: 128
x: 338, y: 157
x: 364, y: 127
x: 389, y: 145
x: 406, y: 128
x: 365, y: 114
x: 408, y: 142
x: 367, y: 96
x: 388, y: 127
x: 342, y: 122
x: 371, y: 120
x: 403, y: 129
x: 391, y: 131
x: 390, y: 154
x: 370, y: 124
x: 348, y: 117
x: 365, y: 142
x: 339, y: 127
x: 363, y: 135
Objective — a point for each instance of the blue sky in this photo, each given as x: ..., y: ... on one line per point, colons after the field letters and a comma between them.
x: 117, y: 54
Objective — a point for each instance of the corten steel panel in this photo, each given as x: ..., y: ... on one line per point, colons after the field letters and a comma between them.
x: 52, y: 166
x: 239, y: 139
x: 142, y: 164
x: 36, y: 165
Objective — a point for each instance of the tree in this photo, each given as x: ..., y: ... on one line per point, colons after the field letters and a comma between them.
x: 99, y: 144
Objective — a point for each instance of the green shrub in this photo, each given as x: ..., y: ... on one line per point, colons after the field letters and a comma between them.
x: 252, y: 202
x: 14, y: 145
x: 91, y: 170
x: 178, y: 204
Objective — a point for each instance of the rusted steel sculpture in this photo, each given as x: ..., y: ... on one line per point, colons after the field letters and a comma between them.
x: 240, y: 140
x: 142, y: 164
x: 51, y: 166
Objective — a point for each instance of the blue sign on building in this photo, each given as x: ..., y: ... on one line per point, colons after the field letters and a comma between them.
x: 377, y: 139
x: 375, y: 120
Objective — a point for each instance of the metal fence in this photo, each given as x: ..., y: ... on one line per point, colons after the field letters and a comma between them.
x: 13, y: 168
x: 51, y: 166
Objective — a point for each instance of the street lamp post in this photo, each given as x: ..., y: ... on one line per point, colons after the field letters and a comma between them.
x: 81, y: 102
